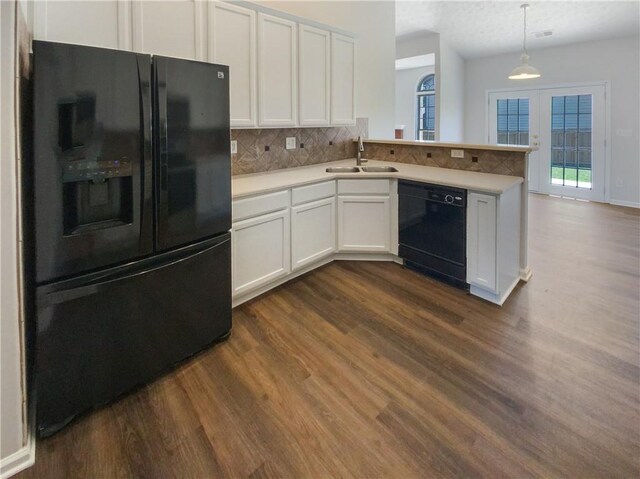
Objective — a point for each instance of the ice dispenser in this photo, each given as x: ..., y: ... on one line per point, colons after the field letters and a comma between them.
x: 97, y: 181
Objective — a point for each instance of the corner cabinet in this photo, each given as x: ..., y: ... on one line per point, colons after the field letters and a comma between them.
x: 314, y: 61
x: 493, y: 243
x: 277, y: 71
x: 232, y: 41
x: 313, y: 231
x: 173, y: 28
x: 364, y: 216
x: 343, y: 80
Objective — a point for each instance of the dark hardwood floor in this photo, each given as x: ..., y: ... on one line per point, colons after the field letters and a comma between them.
x: 364, y: 369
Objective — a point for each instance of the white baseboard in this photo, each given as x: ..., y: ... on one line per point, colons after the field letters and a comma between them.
x: 20, y: 460
x: 493, y: 297
x: 243, y: 298
x: 365, y: 257
x: 630, y: 204
x: 526, y: 273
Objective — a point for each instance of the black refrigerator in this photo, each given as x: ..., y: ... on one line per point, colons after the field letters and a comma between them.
x: 129, y: 201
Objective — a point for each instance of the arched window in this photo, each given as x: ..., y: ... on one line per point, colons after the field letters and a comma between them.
x: 426, y: 124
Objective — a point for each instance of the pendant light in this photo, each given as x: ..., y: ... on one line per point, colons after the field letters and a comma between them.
x: 524, y: 71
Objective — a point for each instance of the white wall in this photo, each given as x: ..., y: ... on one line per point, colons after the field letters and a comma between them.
x: 418, y: 44
x: 449, y: 70
x: 374, y: 23
x: 11, y: 424
x: 614, y: 60
x: 406, y: 104
x: 451, y: 86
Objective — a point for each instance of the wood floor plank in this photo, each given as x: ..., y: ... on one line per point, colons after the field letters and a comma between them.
x: 367, y: 369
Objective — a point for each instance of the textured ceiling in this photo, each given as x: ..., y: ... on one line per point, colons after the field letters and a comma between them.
x: 481, y: 28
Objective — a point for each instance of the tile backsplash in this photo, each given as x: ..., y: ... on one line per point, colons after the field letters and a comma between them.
x: 509, y: 163
x: 264, y: 149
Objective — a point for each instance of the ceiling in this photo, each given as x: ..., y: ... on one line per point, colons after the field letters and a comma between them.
x: 483, y: 28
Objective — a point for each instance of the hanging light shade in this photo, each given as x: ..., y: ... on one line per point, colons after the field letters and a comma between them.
x: 524, y: 71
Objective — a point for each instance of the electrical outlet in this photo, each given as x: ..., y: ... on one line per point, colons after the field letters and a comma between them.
x: 619, y: 183
x: 457, y: 153
x: 234, y: 146
x: 291, y: 143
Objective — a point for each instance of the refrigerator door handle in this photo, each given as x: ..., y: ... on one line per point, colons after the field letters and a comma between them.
x: 99, y: 284
x: 144, y: 99
x: 163, y: 143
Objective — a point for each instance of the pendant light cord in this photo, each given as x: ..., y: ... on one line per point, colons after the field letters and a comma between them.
x: 524, y: 37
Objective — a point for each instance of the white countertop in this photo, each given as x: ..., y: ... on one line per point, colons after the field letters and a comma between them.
x: 246, y: 185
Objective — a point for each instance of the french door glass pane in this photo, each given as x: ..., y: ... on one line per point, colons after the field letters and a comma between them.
x: 571, y: 126
x: 426, y: 117
x: 513, y: 121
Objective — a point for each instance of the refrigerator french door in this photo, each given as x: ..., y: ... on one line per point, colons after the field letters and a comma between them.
x: 131, y: 209
x: 91, y: 164
x: 193, y: 185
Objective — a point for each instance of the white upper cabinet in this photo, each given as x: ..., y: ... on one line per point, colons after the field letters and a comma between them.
x: 277, y: 67
x: 173, y: 28
x: 232, y: 41
x: 281, y: 73
x: 99, y: 24
x: 314, y: 60
x: 343, y: 69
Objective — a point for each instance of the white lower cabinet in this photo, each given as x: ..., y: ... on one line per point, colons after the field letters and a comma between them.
x: 481, y: 240
x: 313, y: 231
x: 364, y: 223
x: 261, y: 251
x: 493, y: 244
x: 279, y: 235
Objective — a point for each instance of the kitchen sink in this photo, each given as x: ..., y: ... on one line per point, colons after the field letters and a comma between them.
x: 343, y: 169
x: 379, y: 169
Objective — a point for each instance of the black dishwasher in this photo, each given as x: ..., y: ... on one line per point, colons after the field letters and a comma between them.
x: 432, y: 230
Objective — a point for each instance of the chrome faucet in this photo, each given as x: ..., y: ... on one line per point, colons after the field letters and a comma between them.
x: 359, y: 159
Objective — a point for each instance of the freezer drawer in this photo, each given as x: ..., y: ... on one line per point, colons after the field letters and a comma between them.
x: 102, y: 334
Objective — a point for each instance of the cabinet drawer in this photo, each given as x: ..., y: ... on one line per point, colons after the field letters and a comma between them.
x: 363, y: 187
x: 258, y: 205
x: 304, y: 194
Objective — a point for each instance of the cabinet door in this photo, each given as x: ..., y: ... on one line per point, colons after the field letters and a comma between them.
x: 363, y: 223
x: 99, y: 24
x: 277, y: 71
x: 173, y: 28
x: 313, y: 234
x: 481, y: 241
x: 232, y: 41
x: 314, y: 63
x: 261, y: 251
x: 343, y: 81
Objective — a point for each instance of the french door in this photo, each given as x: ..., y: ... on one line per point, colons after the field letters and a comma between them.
x: 513, y: 120
x: 572, y: 143
x: 566, y: 129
